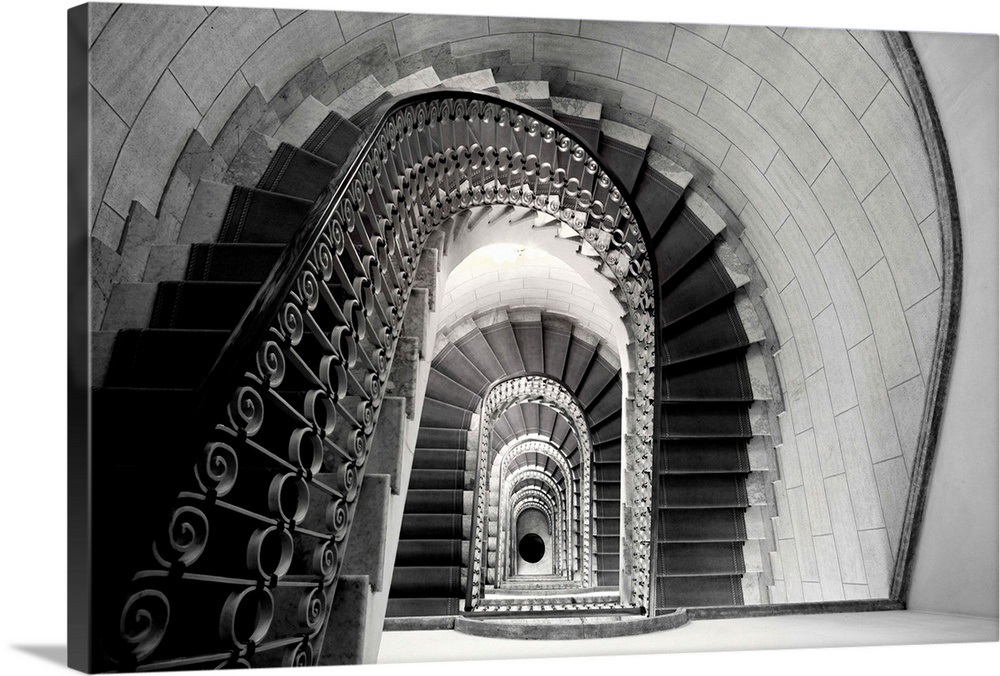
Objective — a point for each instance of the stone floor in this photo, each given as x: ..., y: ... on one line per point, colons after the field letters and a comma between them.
x: 764, y: 633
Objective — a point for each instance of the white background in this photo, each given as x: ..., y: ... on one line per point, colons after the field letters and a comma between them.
x: 33, y: 295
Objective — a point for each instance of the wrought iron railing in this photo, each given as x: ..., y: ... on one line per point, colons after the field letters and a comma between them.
x: 285, y: 418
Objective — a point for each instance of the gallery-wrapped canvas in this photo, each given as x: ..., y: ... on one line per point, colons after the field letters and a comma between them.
x: 526, y: 329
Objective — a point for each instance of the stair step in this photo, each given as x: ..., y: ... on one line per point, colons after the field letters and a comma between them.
x: 425, y: 78
x: 369, y: 535
x: 582, y: 117
x: 333, y: 139
x: 438, y: 501
x: 434, y: 437
x: 130, y: 306
x: 347, y: 626
x: 500, y: 338
x: 201, y: 305
x: 607, y: 429
x: 711, y: 275
x: 476, y: 80
x: 534, y: 93
x: 607, y: 403
x: 231, y: 262
x: 659, y: 189
x: 297, y: 173
x: 704, y: 456
x: 709, y: 524
x: 444, y: 415
x: 251, y: 160
x: 470, y: 341
x: 359, y: 102
x: 698, y: 492
x: 417, y: 607
x: 441, y: 479
x: 417, y: 526
x: 600, y: 378
x: 721, y: 378
x: 206, y: 212
x: 453, y: 363
x: 443, y: 388
x: 428, y: 581
x: 700, y: 558
x: 623, y: 150
x: 426, y: 458
x: 301, y: 123
x: 166, y: 262
x: 582, y: 352
x: 432, y: 553
x: 556, y: 334
x: 163, y: 358
x: 257, y: 216
x: 719, y: 328
x: 527, y: 327
x: 713, y: 420
x: 699, y: 591
x: 684, y: 237
x: 389, y: 442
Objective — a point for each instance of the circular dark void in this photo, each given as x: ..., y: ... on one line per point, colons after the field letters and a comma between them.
x: 531, y: 548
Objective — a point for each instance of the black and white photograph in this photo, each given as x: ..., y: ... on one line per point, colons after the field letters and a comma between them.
x: 414, y: 334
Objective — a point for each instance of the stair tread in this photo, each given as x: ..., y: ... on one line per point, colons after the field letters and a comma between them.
x: 425, y: 78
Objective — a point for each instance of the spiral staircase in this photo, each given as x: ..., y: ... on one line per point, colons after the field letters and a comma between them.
x: 161, y: 338
x: 497, y: 346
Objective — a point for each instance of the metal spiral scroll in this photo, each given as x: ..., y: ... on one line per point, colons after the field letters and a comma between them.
x: 245, y: 570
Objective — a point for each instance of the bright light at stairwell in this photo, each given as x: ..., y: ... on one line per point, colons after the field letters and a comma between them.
x: 503, y: 254
x: 499, y: 255
x: 506, y: 255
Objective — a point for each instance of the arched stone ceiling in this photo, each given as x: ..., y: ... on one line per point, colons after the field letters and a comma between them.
x: 513, y: 275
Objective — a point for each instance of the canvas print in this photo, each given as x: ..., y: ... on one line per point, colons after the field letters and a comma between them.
x: 520, y: 328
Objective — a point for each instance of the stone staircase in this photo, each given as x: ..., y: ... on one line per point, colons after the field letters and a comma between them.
x: 242, y: 202
x: 472, y: 355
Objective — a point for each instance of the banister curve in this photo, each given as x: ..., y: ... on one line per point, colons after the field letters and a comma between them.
x: 325, y: 325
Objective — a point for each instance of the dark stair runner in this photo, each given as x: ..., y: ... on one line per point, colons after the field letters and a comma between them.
x: 704, y: 426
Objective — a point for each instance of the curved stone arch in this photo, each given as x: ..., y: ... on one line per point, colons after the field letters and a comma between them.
x: 500, y: 464
x: 525, y: 229
x: 507, y: 501
x: 501, y: 396
x: 532, y: 501
x: 555, y: 523
x: 558, y: 531
x: 559, y: 547
x: 501, y: 440
x: 502, y: 459
x: 537, y: 493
